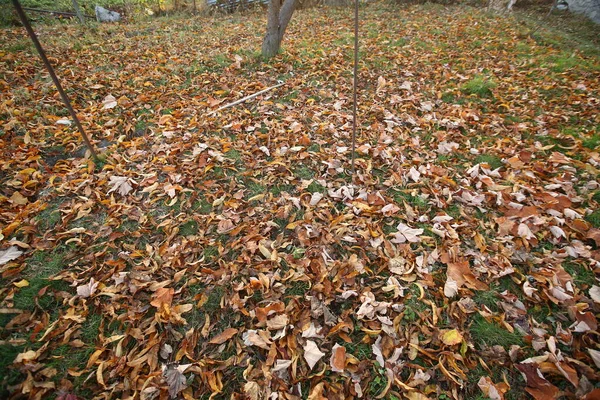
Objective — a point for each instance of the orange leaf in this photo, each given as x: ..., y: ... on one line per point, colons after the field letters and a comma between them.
x: 163, y: 296
x: 224, y: 336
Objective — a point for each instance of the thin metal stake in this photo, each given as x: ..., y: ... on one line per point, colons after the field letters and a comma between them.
x: 63, y: 95
x: 355, y: 82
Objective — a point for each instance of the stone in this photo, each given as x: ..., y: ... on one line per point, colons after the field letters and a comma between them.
x: 104, y: 15
x: 589, y: 8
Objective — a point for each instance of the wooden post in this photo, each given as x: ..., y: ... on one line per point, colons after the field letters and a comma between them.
x: 78, y: 12
x: 62, y: 93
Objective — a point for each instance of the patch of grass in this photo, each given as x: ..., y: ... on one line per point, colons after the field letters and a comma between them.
x: 66, y: 357
x: 202, y: 206
x: 562, y: 62
x: 315, y: 187
x: 213, y: 303
x: 486, y: 333
x: 304, y: 172
x: 594, y: 218
x: 45, y: 263
x: 8, y: 376
x: 254, y: 188
x: 25, y: 297
x: 581, y: 275
x: 377, y: 383
x: 90, y: 328
x: 488, y: 298
x: 278, y: 189
x: 49, y: 218
x: 128, y: 226
x: 210, y: 253
x: 233, y: 155
x: 479, y: 86
x: 314, y: 147
x: 362, y: 351
x: 402, y: 196
x: 189, y: 228
x: 296, y: 288
x: 493, y: 161
x: 592, y: 142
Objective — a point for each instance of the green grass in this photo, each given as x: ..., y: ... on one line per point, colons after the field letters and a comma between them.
x: 402, y: 196
x: 90, y: 328
x: 202, y: 206
x: 8, y: 376
x: 25, y: 297
x: 233, y: 155
x: 214, y: 300
x: 278, y: 189
x: 66, y: 357
x: 296, y: 288
x: 582, y: 276
x: 479, y: 86
x: 254, y: 188
x: 592, y: 142
x: 188, y: 228
x: 45, y: 263
x: 361, y: 351
x: 49, y: 218
x: 562, y: 62
x: 486, y: 333
x: 594, y: 218
x: 377, y: 383
x: 304, y: 172
x: 493, y: 161
x: 210, y: 253
x: 315, y: 187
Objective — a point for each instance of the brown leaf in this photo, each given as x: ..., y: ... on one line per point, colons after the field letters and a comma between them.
x: 162, y: 297
x: 224, y: 336
x: 537, y: 385
x: 338, y: 358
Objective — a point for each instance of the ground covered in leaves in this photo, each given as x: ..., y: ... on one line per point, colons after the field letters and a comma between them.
x: 231, y: 255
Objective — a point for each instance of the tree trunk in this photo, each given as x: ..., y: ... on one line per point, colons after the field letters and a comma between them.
x: 78, y: 12
x: 501, y: 6
x: 279, y: 17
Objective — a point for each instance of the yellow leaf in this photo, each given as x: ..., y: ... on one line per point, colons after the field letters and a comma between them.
x: 21, y: 283
x: 452, y: 337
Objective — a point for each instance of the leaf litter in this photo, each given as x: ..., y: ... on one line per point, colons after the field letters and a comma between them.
x: 227, y: 254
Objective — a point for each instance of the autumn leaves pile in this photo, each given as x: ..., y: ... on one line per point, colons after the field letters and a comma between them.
x: 231, y: 255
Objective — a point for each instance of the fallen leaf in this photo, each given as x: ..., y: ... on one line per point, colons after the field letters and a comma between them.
x: 224, y: 336
x: 451, y: 337
x: 162, y: 297
x: 12, y: 253
x: 109, y: 102
x: 338, y: 358
x: 312, y: 354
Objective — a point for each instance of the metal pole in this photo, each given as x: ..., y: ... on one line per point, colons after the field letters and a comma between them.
x: 355, y: 82
x: 63, y: 95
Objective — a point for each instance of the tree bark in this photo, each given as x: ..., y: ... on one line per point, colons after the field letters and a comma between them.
x: 279, y: 17
x: 78, y: 12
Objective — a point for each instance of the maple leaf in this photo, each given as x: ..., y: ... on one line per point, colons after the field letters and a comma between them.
x: 109, y: 102
x: 260, y: 339
x: 162, y: 297
x: 406, y: 234
x: 88, y: 289
x: 121, y: 184
x: 312, y: 354
x: 175, y: 379
x: 12, y: 253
